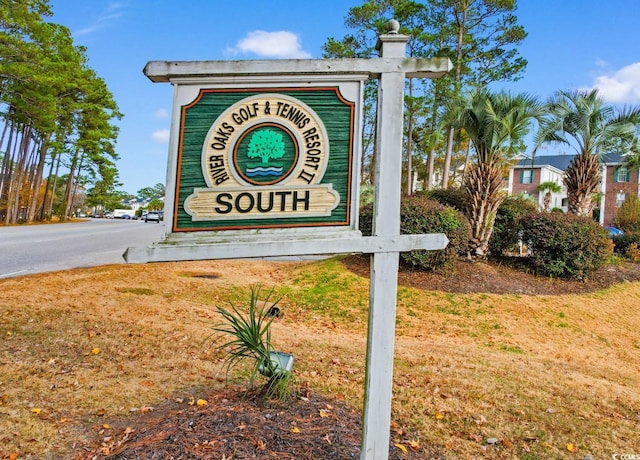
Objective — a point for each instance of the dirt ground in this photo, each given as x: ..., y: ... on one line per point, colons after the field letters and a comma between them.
x: 311, y: 426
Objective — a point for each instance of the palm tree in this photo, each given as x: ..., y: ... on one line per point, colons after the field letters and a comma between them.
x: 548, y: 187
x: 496, y: 124
x: 583, y: 121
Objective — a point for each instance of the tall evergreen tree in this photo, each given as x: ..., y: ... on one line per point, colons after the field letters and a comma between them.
x: 55, y: 107
x: 479, y: 36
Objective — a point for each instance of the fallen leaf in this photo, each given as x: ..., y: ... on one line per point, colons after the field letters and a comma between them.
x: 327, y: 438
x: 324, y: 413
x: 144, y: 410
x: 146, y: 383
x: 106, y: 426
x: 242, y: 426
x: 401, y: 447
x: 202, y: 402
x: 192, y: 400
x: 101, y: 412
x: 506, y: 443
x: 571, y: 448
x: 439, y: 416
x: 13, y: 456
x: 261, y: 444
x: 128, y: 430
x: 295, y: 429
x: 36, y: 410
x: 414, y: 444
x: 95, y: 351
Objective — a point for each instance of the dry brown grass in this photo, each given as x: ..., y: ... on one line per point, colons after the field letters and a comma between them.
x: 84, y: 347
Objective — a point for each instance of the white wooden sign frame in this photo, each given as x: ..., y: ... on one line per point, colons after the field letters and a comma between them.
x: 391, y: 69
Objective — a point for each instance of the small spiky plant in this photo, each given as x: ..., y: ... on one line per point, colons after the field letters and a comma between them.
x: 250, y: 333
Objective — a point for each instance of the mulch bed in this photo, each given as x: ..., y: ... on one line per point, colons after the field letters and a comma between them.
x: 237, y: 424
x: 507, y: 275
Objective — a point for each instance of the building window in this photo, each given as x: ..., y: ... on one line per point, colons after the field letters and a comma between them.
x: 565, y: 202
x: 622, y: 174
x: 526, y: 176
x: 620, y: 197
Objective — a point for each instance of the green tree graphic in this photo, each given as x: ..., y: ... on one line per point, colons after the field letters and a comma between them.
x: 266, y: 144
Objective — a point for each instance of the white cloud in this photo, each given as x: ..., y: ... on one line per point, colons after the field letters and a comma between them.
x: 620, y: 86
x: 161, y: 137
x: 280, y: 44
x: 104, y: 19
x: 161, y: 114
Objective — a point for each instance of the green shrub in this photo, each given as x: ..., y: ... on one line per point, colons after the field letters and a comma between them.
x: 367, y: 192
x: 565, y: 245
x: 420, y: 215
x: 453, y: 197
x: 633, y: 253
x: 508, y: 226
x: 628, y: 216
x: 622, y: 242
x: 366, y: 219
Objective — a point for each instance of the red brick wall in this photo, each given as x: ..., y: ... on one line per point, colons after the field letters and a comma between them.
x: 612, y: 189
x: 531, y: 189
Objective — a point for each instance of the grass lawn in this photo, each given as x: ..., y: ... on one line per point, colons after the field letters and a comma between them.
x: 545, y: 376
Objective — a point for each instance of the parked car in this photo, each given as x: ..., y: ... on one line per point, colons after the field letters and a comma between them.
x: 613, y: 232
x: 152, y: 216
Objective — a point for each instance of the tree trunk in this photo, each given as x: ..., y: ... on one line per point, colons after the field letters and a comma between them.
x: 582, y: 179
x: 37, y: 182
x: 483, y: 186
x: 9, y: 173
x: 409, y: 139
x: 447, y: 160
x: 67, y: 203
x: 430, y: 160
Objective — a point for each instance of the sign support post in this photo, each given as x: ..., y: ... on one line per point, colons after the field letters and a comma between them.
x: 224, y: 111
x: 384, y: 265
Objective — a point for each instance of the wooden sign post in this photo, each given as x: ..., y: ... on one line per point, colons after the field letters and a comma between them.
x: 264, y: 162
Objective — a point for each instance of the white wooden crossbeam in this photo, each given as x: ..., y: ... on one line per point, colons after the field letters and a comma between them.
x: 167, y: 71
x: 164, y: 252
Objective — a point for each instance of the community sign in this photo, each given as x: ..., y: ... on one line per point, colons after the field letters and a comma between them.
x: 265, y: 157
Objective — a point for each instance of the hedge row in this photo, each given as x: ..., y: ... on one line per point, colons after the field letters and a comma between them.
x: 560, y: 245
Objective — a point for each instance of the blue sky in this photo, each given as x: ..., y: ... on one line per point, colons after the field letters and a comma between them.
x: 571, y: 44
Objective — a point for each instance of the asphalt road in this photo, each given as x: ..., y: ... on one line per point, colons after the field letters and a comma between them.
x: 26, y: 249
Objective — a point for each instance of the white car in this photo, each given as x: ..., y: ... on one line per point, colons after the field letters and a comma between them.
x: 152, y: 216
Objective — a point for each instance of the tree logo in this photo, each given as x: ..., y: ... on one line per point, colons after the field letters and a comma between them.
x: 265, y: 154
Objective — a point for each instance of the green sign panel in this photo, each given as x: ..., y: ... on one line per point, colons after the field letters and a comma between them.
x: 264, y: 158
